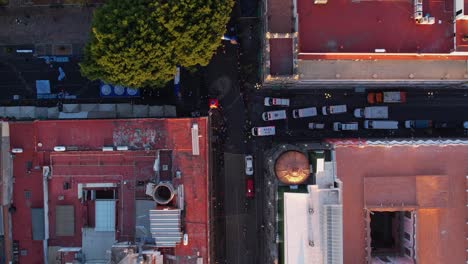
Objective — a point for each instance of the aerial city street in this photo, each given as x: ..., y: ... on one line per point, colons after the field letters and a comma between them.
x: 233, y: 132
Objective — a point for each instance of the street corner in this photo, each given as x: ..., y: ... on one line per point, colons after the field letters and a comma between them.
x: 220, y: 87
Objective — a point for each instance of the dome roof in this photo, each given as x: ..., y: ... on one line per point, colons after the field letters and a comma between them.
x: 292, y: 167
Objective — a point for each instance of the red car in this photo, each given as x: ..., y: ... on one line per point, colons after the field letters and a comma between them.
x: 249, y: 188
x: 213, y: 103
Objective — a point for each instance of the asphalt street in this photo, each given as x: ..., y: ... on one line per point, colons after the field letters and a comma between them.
x: 20, y: 73
x: 447, y: 105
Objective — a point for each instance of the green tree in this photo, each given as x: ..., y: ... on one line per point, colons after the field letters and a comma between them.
x: 138, y: 43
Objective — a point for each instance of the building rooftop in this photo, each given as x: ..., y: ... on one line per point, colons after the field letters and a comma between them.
x: 281, y: 56
x: 363, y: 26
x: 126, y: 172
x: 279, y: 14
x: 462, y: 34
x: 430, y: 180
x: 292, y: 167
x: 356, y: 41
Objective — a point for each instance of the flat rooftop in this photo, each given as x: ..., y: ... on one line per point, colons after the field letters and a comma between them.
x: 363, y: 26
x: 279, y: 15
x: 281, y: 57
x: 435, y: 178
x: 462, y: 34
x: 89, y: 164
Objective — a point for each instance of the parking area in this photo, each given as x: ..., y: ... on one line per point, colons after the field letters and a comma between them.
x: 439, y: 106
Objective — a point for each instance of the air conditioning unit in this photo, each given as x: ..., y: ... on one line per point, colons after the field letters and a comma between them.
x: 122, y: 148
x: 431, y: 20
x: 107, y: 148
x: 59, y: 148
x: 17, y: 150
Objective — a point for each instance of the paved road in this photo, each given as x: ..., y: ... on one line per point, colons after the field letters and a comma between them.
x: 19, y: 75
x: 442, y: 106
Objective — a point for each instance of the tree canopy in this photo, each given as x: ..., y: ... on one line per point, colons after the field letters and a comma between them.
x: 139, y: 43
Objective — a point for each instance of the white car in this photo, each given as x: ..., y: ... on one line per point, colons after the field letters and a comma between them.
x: 263, y: 131
x: 269, y: 101
x: 274, y: 115
x: 249, y: 165
x: 304, y: 112
x: 334, y: 109
x: 316, y: 126
x: 338, y: 126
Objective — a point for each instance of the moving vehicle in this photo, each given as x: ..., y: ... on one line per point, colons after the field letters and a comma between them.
x: 334, y: 109
x: 418, y: 123
x: 249, y: 165
x: 338, y: 126
x: 213, y: 103
x: 274, y: 115
x: 263, y: 131
x: 304, y: 112
x: 269, y: 101
x: 372, y: 112
x: 386, y: 97
x: 249, y: 188
x: 380, y: 124
x: 316, y: 126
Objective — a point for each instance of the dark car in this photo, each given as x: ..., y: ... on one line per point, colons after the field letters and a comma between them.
x: 249, y: 188
x: 445, y: 125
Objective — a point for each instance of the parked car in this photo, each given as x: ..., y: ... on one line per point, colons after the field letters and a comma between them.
x: 249, y: 188
x: 263, y: 131
x: 338, y: 126
x: 465, y: 125
x: 269, y: 101
x: 380, y: 124
x: 418, y: 123
x: 386, y: 97
x: 316, y: 126
x: 249, y: 165
x: 274, y: 115
x: 334, y: 109
x: 372, y: 112
x: 445, y: 125
x: 304, y: 112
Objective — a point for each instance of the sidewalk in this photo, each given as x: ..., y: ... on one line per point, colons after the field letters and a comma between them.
x: 39, y: 25
x: 382, y: 70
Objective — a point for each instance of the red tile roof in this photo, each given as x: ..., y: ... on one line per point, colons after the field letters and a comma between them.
x: 89, y: 164
x: 435, y: 180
